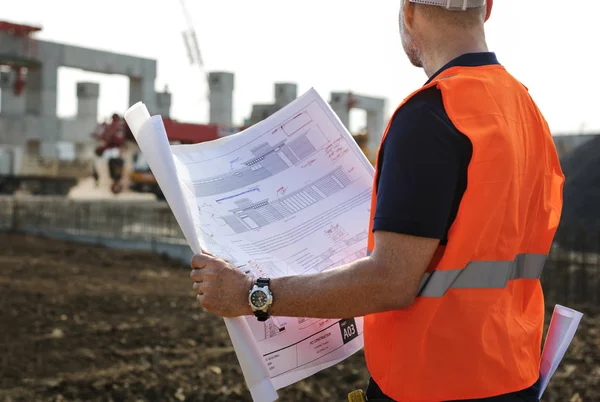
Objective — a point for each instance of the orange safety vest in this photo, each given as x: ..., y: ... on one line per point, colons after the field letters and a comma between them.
x: 475, y: 328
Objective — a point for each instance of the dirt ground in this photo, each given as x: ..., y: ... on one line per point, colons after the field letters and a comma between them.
x: 83, y: 323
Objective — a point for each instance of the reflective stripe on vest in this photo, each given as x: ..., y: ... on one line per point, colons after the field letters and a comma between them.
x: 483, y: 274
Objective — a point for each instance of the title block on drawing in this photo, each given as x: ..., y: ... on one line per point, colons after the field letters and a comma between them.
x: 349, y: 330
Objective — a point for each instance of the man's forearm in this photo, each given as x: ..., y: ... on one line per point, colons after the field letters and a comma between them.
x: 357, y: 289
x: 386, y: 280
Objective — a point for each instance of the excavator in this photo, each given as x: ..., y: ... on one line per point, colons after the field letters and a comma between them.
x: 115, y: 138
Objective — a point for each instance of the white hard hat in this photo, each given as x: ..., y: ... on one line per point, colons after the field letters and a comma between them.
x: 459, y: 5
x: 455, y: 5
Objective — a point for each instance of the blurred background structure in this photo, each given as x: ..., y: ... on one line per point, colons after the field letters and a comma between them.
x: 43, y: 154
x: 79, y: 319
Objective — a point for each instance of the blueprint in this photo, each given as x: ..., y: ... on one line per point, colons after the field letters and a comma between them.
x: 562, y: 328
x: 288, y: 196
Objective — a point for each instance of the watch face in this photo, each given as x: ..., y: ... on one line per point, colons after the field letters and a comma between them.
x: 259, y: 299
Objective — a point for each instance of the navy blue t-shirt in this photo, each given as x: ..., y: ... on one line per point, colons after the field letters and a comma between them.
x: 423, y: 175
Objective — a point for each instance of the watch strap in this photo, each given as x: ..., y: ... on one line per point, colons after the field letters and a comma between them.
x: 261, y: 315
x: 262, y: 282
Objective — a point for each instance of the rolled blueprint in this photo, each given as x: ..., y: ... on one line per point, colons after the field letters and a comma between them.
x: 151, y: 137
x: 562, y: 328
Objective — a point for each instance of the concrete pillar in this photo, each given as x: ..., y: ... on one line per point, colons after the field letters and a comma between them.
x: 41, y: 90
x: 285, y: 94
x: 12, y: 105
x: 6, y: 161
x: 142, y: 89
x: 260, y: 112
x: 163, y: 103
x: 221, y: 85
x: 87, y: 99
x: 375, y: 127
x: 339, y: 104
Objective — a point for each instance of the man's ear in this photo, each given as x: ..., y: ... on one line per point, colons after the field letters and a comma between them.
x: 408, y: 14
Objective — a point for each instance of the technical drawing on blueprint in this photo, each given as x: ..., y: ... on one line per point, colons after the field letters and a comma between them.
x: 290, y: 195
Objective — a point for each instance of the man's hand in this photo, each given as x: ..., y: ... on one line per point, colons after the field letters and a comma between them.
x: 222, y: 288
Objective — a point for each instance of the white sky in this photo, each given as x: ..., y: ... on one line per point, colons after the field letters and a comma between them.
x: 332, y: 45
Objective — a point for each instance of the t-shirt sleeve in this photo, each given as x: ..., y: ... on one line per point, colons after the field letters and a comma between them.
x: 419, y: 169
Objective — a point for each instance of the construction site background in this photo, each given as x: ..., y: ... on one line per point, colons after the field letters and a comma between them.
x: 84, y: 317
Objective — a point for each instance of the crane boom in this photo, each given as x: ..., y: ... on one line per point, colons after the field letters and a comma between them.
x: 190, y: 40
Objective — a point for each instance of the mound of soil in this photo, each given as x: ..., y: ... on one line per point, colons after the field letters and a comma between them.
x: 84, y: 323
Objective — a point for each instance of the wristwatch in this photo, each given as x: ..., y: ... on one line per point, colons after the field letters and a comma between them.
x: 261, y: 298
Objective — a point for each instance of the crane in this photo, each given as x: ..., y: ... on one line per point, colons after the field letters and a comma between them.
x: 190, y: 40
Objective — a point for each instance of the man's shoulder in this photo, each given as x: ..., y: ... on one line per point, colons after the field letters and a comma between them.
x: 424, y: 101
x: 423, y: 115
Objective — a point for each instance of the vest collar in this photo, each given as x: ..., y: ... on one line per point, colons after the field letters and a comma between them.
x: 468, y: 60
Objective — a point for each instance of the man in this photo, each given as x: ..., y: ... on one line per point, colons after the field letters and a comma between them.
x: 467, y: 198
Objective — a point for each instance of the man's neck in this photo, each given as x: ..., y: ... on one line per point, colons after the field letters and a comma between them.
x: 446, y: 50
